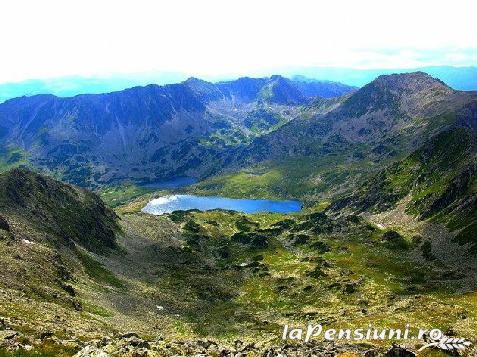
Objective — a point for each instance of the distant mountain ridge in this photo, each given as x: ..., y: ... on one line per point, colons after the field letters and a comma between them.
x: 460, y: 78
x: 73, y: 86
x: 149, y: 132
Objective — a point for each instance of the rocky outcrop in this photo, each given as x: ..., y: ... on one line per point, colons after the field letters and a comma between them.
x: 397, y: 351
x: 134, y: 346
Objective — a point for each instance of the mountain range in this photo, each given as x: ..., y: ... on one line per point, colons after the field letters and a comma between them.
x: 152, y: 132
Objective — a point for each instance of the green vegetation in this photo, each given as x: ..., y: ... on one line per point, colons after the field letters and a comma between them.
x: 115, y: 196
x: 11, y: 157
x: 300, y: 178
x: 98, y: 272
x: 257, y: 122
x: 322, y: 275
x: 46, y: 349
x: 223, y: 138
x: 260, y: 271
x: 243, y: 184
x: 24, y: 353
x: 439, y: 178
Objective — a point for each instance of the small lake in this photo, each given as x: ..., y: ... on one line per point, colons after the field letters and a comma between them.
x: 168, y: 204
x: 176, y: 182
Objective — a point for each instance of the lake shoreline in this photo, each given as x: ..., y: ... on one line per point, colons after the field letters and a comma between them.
x: 178, y: 202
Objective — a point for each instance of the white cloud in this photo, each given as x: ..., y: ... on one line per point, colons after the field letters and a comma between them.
x: 51, y: 38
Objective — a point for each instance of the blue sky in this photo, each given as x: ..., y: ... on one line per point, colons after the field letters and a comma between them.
x: 48, y: 39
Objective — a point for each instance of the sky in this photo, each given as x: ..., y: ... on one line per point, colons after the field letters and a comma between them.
x: 55, y: 38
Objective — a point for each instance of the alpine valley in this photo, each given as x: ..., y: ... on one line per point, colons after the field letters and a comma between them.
x: 387, y: 235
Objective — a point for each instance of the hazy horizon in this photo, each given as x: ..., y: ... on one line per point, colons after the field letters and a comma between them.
x: 461, y: 78
x: 283, y: 71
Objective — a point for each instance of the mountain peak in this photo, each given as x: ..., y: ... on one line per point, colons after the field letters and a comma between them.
x: 414, y: 81
x: 277, y: 77
x: 193, y: 80
x: 204, y: 90
x: 407, y: 93
x: 281, y: 90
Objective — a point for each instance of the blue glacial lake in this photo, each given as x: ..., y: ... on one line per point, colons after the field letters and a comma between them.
x: 168, y: 204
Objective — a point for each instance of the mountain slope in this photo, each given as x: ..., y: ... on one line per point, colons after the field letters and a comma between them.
x: 51, y: 235
x: 82, y: 133
x: 440, y: 179
x: 324, y: 89
x: 39, y: 209
x: 278, y: 89
x: 395, y: 111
